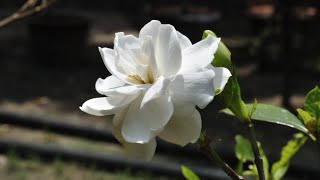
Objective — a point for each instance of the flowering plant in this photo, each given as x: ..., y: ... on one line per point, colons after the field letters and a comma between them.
x: 160, y: 77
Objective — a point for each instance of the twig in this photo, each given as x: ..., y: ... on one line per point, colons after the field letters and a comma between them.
x: 204, y: 147
x: 24, y: 11
x: 257, y: 158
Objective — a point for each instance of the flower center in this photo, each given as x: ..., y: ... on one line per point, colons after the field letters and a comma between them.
x: 136, y: 79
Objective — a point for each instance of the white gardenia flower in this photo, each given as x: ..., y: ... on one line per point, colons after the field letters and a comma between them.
x: 157, y: 81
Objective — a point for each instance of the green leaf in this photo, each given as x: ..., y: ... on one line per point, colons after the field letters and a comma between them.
x: 312, y: 98
x: 304, y: 116
x: 222, y: 58
x: 188, y: 174
x: 280, y: 167
x: 243, y: 149
x: 277, y: 115
x: 307, y: 120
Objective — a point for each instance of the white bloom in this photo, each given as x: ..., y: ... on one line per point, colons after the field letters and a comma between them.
x: 157, y: 81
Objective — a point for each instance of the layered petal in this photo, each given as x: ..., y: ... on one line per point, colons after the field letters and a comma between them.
x: 168, y: 51
x: 109, y: 59
x: 120, y: 91
x: 106, y: 105
x: 183, y: 128
x: 200, y: 54
x: 108, y: 83
x: 149, y: 51
x: 142, y: 124
x: 194, y: 88
x: 144, y: 151
x: 151, y: 29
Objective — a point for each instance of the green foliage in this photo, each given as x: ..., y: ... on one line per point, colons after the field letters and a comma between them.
x: 312, y: 102
x: 244, y: 154
x: 307, y: 120
x: 277, y: 115
x: 188, y: 174
x: 243, y: 149
x: 280, y: 167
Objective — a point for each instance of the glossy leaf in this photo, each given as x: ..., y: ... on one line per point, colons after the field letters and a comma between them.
x: 280, y: 167
x: 277, y: 115
x: 310, y: 104
x: 188, y: 174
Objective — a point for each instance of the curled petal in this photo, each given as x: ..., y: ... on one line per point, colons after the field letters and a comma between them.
x: 150, y: 29
x: 106, y: 105
x: 168, y: 51
x: 221, y: 77
x: 142, y: 124
x: 183, y: 128
x: 108, y: 83
x: 200, y: 54
x: 109, y: 59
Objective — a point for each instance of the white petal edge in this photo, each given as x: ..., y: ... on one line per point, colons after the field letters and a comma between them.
x: 200, y: 54
x: 109, y: 55
x: 150, y: 29
x: 122, y: 90
x: 184, y: 41
x: 168, y: 51
x: 108, y: 83
x: 142, y: 124
x: 221, y: 77
x: 106, y: 105
x: 182, y: 128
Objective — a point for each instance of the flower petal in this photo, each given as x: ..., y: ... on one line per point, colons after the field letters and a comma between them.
x: 184, y: 41
x: 221, y: 77
x: 168, y: 51
x: 200, y: 54
x: 145, y: 151
x: 122, y: 90
x: 193, y: 88
x: 182, y: 128
x: 142, y: 124
x: 150, y: 29
x: 159, y: 88
x: 109, y: 56
x: 108, y: 83
x: 106, y: 105
x: 148, y: 50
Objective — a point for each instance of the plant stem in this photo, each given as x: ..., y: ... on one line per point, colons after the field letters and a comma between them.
x: 24, y: 11
x: 204, y: 147
x: 257, y: 158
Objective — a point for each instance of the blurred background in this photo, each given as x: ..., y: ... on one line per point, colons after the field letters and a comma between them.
x: 49, y: 62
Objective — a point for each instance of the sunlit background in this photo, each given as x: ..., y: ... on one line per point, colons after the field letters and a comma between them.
x: 49, y: 62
